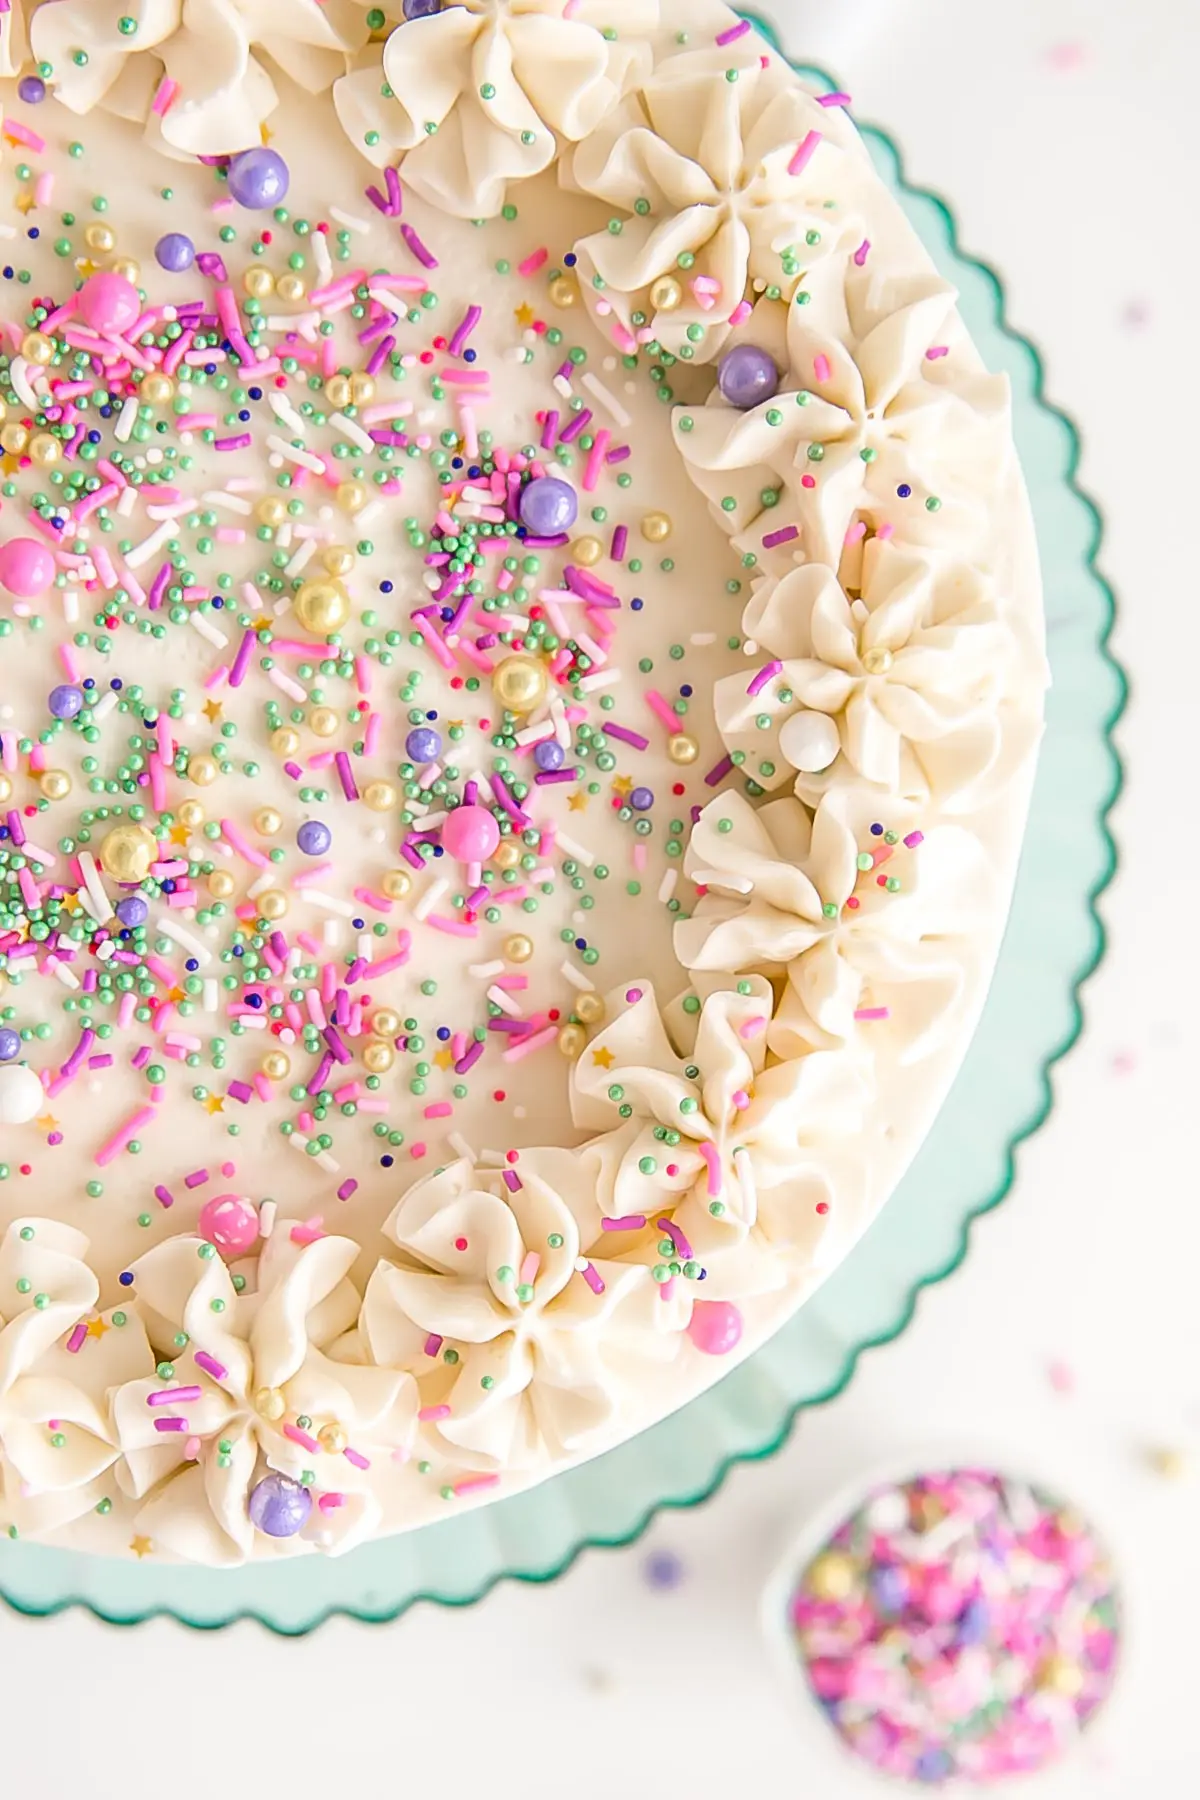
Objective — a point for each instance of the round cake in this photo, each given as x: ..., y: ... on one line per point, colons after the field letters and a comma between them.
x: 520, y: 668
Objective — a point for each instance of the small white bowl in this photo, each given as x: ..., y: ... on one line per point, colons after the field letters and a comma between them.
x: 833, y: 1758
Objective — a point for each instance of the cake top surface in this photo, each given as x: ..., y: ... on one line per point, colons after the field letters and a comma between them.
x: 520, y: 668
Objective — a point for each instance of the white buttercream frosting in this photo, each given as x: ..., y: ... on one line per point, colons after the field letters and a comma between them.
x: 262, y: 1360
x: 911, y: 669
x: 210, y: 49
x: 697, y: 167
x: 483, y: 93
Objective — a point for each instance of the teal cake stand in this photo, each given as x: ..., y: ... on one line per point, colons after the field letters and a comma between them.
x: 1054, y: 941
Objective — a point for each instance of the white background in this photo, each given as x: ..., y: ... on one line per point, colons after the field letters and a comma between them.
x: 1063, y: 132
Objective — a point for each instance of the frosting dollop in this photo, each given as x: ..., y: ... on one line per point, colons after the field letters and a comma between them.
x: 14, y: 40
x: 266, y: 1381
x: 479, y: 95
x: 753, y: 1160
x: 545, y: 1331
x: 912, y: 668
x: 192, y: 68
x: 699, y: 165
x: 58, y: 1358
x: 858, y: 905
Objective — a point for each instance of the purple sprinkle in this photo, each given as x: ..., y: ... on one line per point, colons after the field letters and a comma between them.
x: 210, y: 264
x: 140, y: 1057
x: 241, y: 662
x: 164, y: 1196
x: 578, y: 424
x: 337, y: 1044
x: 380, y: 354
x: 630, y: 1222
x: 210, y: 1365
x: 425, y: 257
x: 625, y: 736
x: 240, y: 1090
x: 319, y: 1074
x: 464, y: 329
x: 346, y: 775
x: 395, y: 194
x: 719, y: 772
x: 241, y: 442
x: 549, y: 429
x: 733, y: 32
x: 512, y: 1181
x: 758, y: 682
x: 546, y: 777
x: 174, y: 1423
x: 469, y: 1057
x: 784, y: 535
x: 196, y: 1179
x: 347, y: 1188
x: 620, y: 538
x: 100, y: 1062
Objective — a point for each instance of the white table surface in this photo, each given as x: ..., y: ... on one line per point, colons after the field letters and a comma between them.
x: 1059, y: 129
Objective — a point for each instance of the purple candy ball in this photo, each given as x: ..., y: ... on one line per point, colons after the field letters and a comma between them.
x: 66, y: 701
x: 31, y: 89
x: 421, y: 9
x: 423, y: 744
x: 279, y: 1507
x: 548, y: 506
x: 258, y: 178
x: 641, y: 799
x: 10, y: 1043
x: 747, y: 376
x: 314, y: 837
x: 175, y: 252
x: 132, y: 911
x: 549, y: 754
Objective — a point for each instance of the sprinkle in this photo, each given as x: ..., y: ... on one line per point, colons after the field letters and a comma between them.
x: 804, y: 153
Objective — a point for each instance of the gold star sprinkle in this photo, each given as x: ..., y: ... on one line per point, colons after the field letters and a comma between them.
x: 25, y: 203
x: 141, y: 1546
x: 48, y: 1122
x: 215, y: 1103
x: 262, y: 623
x: 524, y: 315
x: 443, y: 1058
x: 603, y: 1059
x: 578, y: 802
x: 212, y: 711
x: 69, y: 903
x: 622, y: 784
x: 96, y: 1328
x: 180, y: 834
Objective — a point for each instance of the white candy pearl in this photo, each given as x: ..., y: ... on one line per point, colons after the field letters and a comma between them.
x: 809, y: 740
x: 21, y: 1094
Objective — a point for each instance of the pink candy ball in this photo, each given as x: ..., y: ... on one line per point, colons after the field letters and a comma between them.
x: 230, y: 1223
x: 109, y: 303
x: 26, y: 567
x: 471, y: 834
x: 715, y: 1326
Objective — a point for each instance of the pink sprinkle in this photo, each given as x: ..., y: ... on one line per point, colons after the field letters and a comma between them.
x: 913, y: 839
x: 838, y: 99
x: 535, y: 261
x: 712, y: 1158
x: 630, y: 1222
x: 164, y: 96
x: 733, y: 32
x: 592, y: 1277
x: 872, y: 1012
x: 302, y: 1438
x: 821, y: 366
x: 356, y: 1457
x: 804, y: 153
x: 433, y: 1344
x: 173, y: 1396
x: 77, y: 1338
x: 862, y: 253
x: 429, y: 1415
x: 470, y: 1484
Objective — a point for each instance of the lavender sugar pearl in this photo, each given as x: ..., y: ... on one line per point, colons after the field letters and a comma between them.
x: 10, y: 1043
x: 746, y: 376
x: 175, y: 252
x: 549, y: 755
x: 548, y: 506
x: 279, y: 1507
x: 31, y: 89
x: 258, y: 178
x: 423, y: 745
x: 421, y: 9
x: 66, y: 701
x: 314, y: 837
x: 132, y: 911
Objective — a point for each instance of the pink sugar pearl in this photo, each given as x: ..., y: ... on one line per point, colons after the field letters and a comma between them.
x: 109, y: 303
x: 715, y: 1327
x: 230, y: 1223
x: 471, y: 834
x: 26, y: 567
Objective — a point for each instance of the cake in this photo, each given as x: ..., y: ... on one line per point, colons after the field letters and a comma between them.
x: 520, y: 669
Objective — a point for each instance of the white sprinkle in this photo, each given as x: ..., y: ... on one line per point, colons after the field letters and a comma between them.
x: 266, y: 1218
x: 321, y: 256
x: 495, y: 1159
x: 150, y: 546
x: 18, y: 374
x: 105, y: 704
x: 745, y: 1171
x: 179, y: 935
x: 562, y: 386
x: 254, y: 1023
x: 737, y: 884
x: 460, y: 1146
x: 366, y: 946
x: 127, y: 501
x: 290, y: 453
x: 234, y: 502
x: 305, y: 323
x: 286, y: 413
x: 62, y: 973
x: 350, y: 220
x: 329, y: 903
x: 126, y: 420
x: 609, y: 401
x: 370, y: 511
x: 430, y: 898
x: 702, y: 639
x: 302, y: 557
x: 601, y: 679
x: 667, y: 885
x: 505, y: 1002
x: 485, y: 971
x: 209, y: 996
x: 70, y: 605
x: 207, y: 631
x: 328, y: 1163
x: 580, y: 852
x: 101, y: 904
x: 350, y: 428
x: 286, y: 685
x: 576, y: 978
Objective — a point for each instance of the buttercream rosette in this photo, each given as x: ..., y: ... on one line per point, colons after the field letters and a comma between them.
x: 753, y: 1161
x: 219, y: 94
x: 481, y: 94
x: 912, y: 669
x: 267, y: 1382
x: 507, y: 1271
x: 698, y: 168
x: 58, y: 1360
x: 867, y: 915
x: 883, y: 424
x: 14, y: 39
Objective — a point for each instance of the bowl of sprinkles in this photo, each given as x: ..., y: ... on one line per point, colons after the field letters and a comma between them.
x: 952, y: 1627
